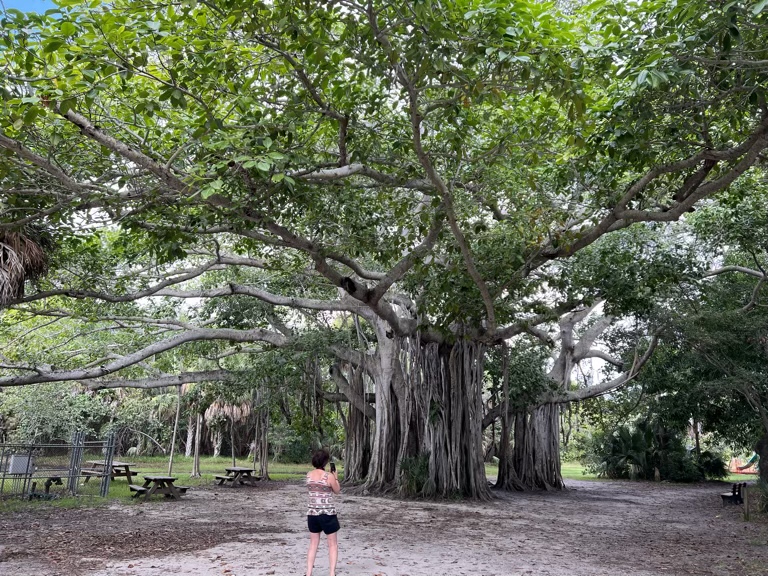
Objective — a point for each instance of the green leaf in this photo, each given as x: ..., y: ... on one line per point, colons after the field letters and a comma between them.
x: 68, y: 29
x: 52, y: 46
x: 31, y: 115
x: 757, y: 8
x: 212, y: 188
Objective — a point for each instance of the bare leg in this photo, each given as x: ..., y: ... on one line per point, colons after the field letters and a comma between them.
x: 333, y: 552
x: 314, y: 540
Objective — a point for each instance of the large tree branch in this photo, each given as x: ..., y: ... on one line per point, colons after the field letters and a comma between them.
x: 741, y: 269
x: 304, y: 245
x: 760, y: 274
x: 357, y: 400
x: 357, y: 290
x: 595, y: 353
x: 610, y: 385
x: 164, y: 380
x: 198, y: 335
x: 587, y: 339
x: 590, y: 392
x: 165, y: 175
x: 237, y: 289
x: 426, y: 163
x: 621, y: 217
x: 361, y: 170
x: 23, y: 152
x: 525, y: 325
x: 176, y: 278
x: 408, y: 261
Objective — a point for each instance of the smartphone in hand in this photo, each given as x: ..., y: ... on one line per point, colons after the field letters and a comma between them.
x: 333, y: 467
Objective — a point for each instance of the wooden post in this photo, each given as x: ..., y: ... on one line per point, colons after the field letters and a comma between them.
x: 745, y: 496
x: 232, y: 438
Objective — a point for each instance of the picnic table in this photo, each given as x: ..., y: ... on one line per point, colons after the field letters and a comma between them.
x: 159, y: 485
x: 118, y: 469
x: 238, y: 475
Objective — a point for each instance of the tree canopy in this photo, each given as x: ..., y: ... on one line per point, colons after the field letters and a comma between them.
x: 455, y: 172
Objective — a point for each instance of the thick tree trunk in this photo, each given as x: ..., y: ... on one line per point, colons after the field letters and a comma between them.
x: 261, y: 442
x: 696, y: 437
x: 507, y: 478
x: 453, y: 378
x: 429, y: 413
x: 357, y: 445
x: 536, y: 452
x: 217, y: 437
x: 175, y: 430
x: 386, y: 441
x: 232, y: 442
x: 198, y: 434
x: 413, y: 408
x: 189, y: 446
x: 761, y: 448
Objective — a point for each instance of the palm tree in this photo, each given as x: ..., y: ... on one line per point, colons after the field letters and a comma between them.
x: 21, y: 258
x: 221, y: 411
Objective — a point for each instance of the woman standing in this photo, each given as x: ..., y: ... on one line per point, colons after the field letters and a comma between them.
x: 321, y: 514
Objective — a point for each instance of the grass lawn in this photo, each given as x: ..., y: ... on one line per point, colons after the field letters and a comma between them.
x: 575, y: 471
x: 741, y: 478
x: 570, y: 470
x: 158, y: 465
x: 210, y: 467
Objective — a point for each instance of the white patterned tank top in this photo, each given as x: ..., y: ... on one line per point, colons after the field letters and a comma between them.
x: 320, y: 497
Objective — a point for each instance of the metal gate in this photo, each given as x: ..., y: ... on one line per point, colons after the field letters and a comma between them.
x: 47, y: 471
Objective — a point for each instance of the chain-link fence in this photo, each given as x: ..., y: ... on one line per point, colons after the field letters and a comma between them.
x: 48, y: 471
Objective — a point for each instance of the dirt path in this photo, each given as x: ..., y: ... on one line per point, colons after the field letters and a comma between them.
x: 592, y: 529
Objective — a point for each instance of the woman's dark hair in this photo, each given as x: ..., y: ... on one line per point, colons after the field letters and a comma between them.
x: 320, y: 458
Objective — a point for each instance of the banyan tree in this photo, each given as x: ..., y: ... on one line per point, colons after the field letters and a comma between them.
x: 425, y: 169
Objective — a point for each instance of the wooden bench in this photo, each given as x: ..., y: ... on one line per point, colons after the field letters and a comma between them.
x: 735, y: 496
x: 238, y: 475
x: 91, y: 473
x: 158, y: 485
x: 118, y: 469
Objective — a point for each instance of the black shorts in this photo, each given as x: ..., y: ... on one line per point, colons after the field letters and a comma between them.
x: 323, y: 523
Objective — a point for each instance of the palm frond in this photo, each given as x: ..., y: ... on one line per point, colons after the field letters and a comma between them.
x: 21, y: 259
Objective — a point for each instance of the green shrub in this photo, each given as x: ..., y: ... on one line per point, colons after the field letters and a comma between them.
x: 592, y: 449
x: 713, y: 465
x: 636, y: 451
x: 414, y: 473
x: 680, y: 467
x: 296, y: 451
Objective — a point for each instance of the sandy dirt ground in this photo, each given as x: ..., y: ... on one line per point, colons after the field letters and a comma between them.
x: 591, y: 529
